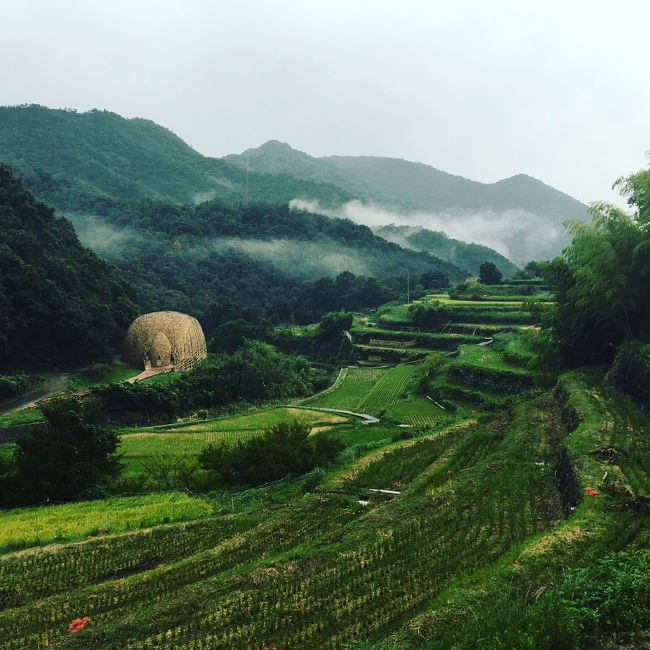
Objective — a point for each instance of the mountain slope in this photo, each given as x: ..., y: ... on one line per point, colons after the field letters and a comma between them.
x: 467, y: 256
x: 99, y: 153
x: 521, y: 217
x: 59, y: 303
x: 412, y: 186
x: 219, y: 261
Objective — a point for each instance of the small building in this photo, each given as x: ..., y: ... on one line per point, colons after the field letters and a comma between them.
x: 164, y: 339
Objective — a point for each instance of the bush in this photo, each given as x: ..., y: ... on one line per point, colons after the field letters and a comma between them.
x: 284, y: 449
x: 12, y: 385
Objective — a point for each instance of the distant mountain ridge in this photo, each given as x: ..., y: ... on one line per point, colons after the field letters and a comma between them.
x: 528, y: 213
x: 99, y: 153
x: 72, y: 159
x: 403, y: 184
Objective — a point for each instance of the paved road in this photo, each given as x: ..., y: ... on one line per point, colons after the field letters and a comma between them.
x: 54, y: 383
x: 367, y: 419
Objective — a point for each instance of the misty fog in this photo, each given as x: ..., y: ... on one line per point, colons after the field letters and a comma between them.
x: 296, y: 258
x: 518, y: 234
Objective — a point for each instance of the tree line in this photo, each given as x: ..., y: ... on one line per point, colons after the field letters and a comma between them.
x: 601, y: 282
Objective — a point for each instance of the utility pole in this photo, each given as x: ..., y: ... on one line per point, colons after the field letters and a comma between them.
x: 408, y: 285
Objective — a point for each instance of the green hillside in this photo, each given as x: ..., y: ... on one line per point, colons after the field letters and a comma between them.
x: 59, y: 303
x: 190, y: 232
x: 67, y: 158
x: 221, y: 261
x: 467, y: 256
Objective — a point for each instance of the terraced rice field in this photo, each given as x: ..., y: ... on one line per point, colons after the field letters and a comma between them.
x: 179, y: 442
x: 349, y: 390
x: 25, y: 527
x: 463, y: 506
x: 190, y: 439
x: 388, y: 390
x: 418, y: 411
x: 366, y: 390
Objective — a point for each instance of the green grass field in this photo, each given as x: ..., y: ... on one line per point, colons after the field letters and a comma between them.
x: 25, y: 527
x: 23, y: 416
x: 138, y: 445
x: 366, y: 390
x: 388, y: 390
x: 417, y: 410
x: 350, y: 389
x: 102, y: 375
x: 486, y: 356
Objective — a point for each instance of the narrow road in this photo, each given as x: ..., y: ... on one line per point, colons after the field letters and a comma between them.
x: 367, y: 419
x: 53, y: 384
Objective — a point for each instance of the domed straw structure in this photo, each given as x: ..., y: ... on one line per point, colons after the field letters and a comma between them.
x: 164, y: 339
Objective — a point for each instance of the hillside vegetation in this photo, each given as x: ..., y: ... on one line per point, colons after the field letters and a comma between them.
x: 467, y: 256
x: 59, y: 303
x: 476, y: 475
x: 70, y: 158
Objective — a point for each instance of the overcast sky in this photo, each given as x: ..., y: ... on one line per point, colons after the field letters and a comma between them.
x: 483, y: 89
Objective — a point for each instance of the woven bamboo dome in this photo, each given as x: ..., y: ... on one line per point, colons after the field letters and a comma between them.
x: 164, y: 339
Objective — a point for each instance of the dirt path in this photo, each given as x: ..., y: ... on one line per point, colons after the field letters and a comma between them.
x: 54, y: 383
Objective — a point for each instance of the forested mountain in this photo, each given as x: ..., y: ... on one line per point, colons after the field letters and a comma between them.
x: 68, y: 158
x: 467, y: 256
x: 411, y: 186
x: 59, y: 303
x: 520, y: 216
x: 145, y: 200
x: 220, y: 261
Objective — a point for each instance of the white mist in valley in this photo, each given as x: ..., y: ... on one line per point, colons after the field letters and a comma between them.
x: 293, y: 257
x: 298, y: 257
x: 517, y: 234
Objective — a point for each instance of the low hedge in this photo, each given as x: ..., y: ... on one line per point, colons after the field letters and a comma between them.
x: 501, y: 381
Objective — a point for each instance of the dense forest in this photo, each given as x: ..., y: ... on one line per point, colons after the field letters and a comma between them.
x: 59, y: 303
x: 220, y: 261
x: 69, y: 158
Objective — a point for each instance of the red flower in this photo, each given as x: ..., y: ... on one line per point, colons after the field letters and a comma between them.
x: 78, y: 624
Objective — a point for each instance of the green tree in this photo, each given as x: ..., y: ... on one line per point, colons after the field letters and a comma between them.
x: 70, y: 457
x: 602, y: 281
x: 333, y: 323
x: 434, y: 280
x: 489, y: 273
x: 284, y: 449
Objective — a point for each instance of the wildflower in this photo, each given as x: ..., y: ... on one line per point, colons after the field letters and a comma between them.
x: 473, y: 411
x: 78, y: 624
